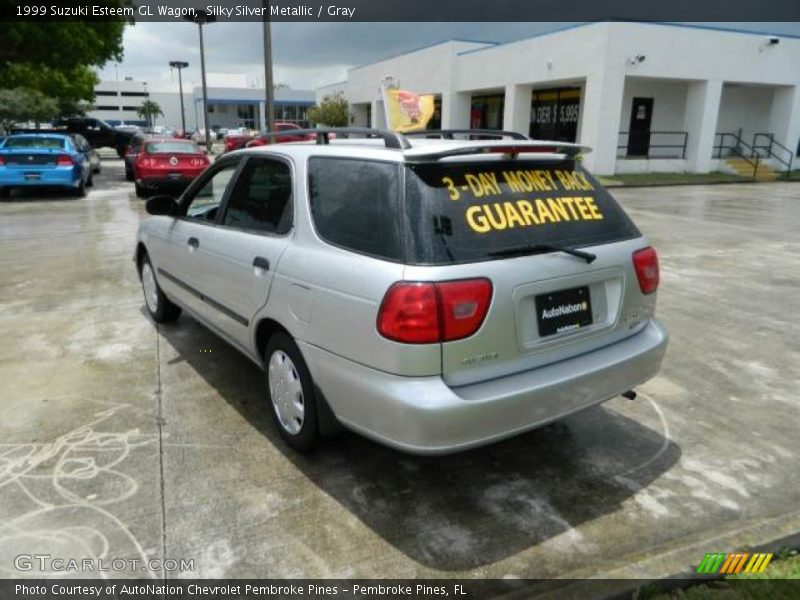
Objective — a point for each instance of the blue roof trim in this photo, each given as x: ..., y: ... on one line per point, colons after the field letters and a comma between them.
x: 533, y: 37
x: 713, y: 28
x: 256, y: 101
x: 399, y: 54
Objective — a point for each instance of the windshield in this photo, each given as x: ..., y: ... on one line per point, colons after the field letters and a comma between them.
x: 466, y: 212
x: 35, y: 142
x: 171, y: 148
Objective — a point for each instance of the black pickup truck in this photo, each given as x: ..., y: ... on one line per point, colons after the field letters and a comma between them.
x: 97, y: 132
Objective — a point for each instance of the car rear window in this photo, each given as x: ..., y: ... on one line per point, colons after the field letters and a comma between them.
x: 35, y: 142
x: 171, y: 148
x: 466, y: 212
x: 355, y: 205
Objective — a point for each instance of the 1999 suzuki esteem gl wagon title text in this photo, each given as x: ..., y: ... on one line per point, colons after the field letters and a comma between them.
x: 428, y: 292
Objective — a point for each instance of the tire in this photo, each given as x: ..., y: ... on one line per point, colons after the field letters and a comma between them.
x: 290, y: 393
x: 90, y: 181
x: 140, y: 191
x: 121, y: 151
x: 80, y: 191
x: 128, y: 175
x: 5, y: 192
x: 161, y: 309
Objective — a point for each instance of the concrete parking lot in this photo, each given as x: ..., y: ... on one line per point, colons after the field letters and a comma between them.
x: 120, y: 439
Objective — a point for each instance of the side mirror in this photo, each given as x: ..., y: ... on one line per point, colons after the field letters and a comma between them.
x: 162, y: 205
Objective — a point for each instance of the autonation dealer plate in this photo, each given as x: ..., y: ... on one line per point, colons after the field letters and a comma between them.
x: 564, y: 310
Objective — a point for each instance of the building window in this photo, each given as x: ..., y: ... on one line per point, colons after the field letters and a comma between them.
x: 130, y: 108
x: 106, y: 107
x: 487, y: 112
x: 104, y: 93
x: 554, y: 114
x: 136, y: 94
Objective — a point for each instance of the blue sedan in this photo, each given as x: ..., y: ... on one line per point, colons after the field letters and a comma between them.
x: 44, y: 160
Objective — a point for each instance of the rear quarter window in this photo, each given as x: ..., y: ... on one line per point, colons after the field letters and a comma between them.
x: 466, y: 212
x: 355, y: 205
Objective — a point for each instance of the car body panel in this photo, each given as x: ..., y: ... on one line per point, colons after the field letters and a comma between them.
x: 425, y: 398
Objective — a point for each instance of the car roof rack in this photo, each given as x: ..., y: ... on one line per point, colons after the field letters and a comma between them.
x: 447, y: 134
x: 391, y: 139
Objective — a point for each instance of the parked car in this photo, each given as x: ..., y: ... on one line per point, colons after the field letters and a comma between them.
x: 44, y: 160
x: 131, y: 151
x: 433, y: 295
x: 97, y: 132
x: 94, y: 157
x: 236, y: 139
x: 264, y: 139
x: 167, y: 165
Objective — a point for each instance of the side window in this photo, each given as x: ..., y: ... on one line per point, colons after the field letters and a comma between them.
x: 355, y: 204
x: 261, y: 200
x: 204, y: 205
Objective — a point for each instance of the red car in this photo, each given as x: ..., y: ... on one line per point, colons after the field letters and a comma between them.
x: 167, y: 165
x: 263, y: 140
x: 236, y: 141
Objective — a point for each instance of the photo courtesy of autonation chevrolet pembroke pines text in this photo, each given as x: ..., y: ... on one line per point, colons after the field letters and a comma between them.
x: 358, y: 300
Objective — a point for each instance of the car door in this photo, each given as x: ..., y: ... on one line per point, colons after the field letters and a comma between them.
x: 181, y: 248
x: 254, y: 229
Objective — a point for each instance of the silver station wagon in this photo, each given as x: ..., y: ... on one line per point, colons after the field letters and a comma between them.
x: 433, y: 292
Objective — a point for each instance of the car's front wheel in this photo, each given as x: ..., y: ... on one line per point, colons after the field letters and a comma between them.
x: 161, y: 309
x: 290, y: 392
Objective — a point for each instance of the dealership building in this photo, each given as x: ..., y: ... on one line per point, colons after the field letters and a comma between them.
x: 231, y: 103
x: 645, y: 96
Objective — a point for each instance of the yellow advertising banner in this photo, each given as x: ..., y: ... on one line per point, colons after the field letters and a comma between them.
x: 407, y: 111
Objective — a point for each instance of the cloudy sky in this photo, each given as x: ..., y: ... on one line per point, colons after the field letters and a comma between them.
x: 307, y: 55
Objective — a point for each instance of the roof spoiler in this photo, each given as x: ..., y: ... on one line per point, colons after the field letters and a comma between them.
x: 512, y: 148
x: 447, y: 134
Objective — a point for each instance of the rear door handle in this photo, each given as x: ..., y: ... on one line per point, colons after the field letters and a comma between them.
x: 193, y: 242
x: 261, y: 263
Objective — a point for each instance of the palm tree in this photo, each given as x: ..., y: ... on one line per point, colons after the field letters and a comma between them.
x: 149, y: 110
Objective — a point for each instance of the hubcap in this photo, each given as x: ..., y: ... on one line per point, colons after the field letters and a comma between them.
x: 286, y: 392
x: 150, y: 288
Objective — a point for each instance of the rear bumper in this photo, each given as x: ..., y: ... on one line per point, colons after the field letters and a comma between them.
x: 57, y: 176
x: 422, y: 415
x: 165, y: 183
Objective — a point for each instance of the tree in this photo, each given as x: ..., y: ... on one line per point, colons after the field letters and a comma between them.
x: 56, y: 57
x: 149, y: 110
x: 22, y: 104
x: 332, y: 111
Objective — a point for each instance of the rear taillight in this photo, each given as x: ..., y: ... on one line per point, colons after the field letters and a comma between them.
x: 427, y: 313
x: 645, y: 262
x: 146, y: 161
x: 64, y: 161
x: 2, y: 161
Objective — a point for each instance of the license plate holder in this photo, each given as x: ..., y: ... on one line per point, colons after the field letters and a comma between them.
x: 563, y: 310
x: 33, y: 176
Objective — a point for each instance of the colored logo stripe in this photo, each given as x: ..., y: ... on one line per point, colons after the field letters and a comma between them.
x: 721, y: 562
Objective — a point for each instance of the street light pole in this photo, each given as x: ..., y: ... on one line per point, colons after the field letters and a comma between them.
x: 270, y: 99
x: 201, y: 18
x: 180, y: 65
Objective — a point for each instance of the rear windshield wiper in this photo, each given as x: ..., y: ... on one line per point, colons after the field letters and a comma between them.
x: 543, y: 249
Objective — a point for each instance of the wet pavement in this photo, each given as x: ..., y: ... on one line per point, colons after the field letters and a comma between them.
x: 122, y: 440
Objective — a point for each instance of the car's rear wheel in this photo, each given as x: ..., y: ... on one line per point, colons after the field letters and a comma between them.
x: 5, y: 192
x: 121, y: 151
x: 128, y: 175
x: 290, y: 391
x: 90, y: 181
x: 161, y: 309
x: 140, y: 191
x: 81, y: 189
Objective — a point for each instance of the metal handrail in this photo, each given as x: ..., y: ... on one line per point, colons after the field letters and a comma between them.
x: 682, y: 145
x: 770, y: 150
x: 736, y: 150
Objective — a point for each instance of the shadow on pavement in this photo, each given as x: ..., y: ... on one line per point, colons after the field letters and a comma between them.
x: 466, y: 510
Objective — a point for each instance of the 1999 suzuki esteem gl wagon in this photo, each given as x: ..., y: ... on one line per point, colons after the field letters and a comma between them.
x: 431, y: 294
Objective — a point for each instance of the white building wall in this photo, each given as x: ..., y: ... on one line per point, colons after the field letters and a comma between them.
x: 682, y: 68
